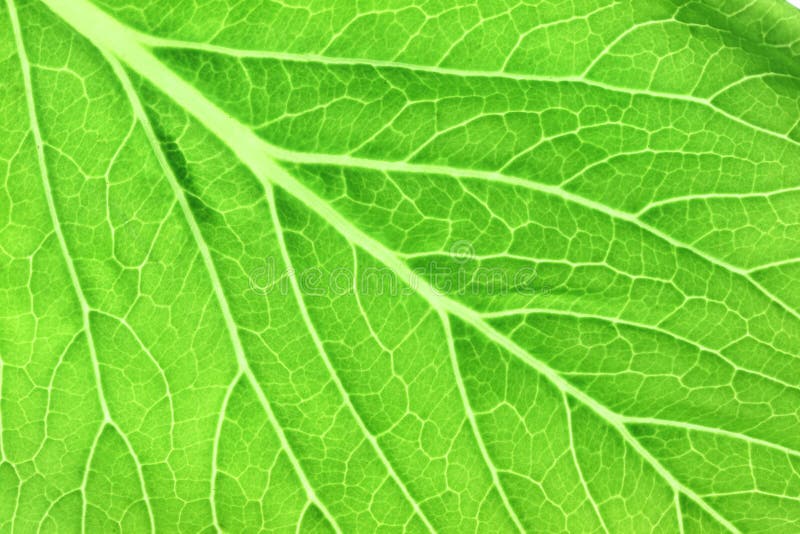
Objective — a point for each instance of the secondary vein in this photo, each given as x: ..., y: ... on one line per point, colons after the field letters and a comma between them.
x: 279, y: 233
x: 82, y: 301
x: 219, y: 293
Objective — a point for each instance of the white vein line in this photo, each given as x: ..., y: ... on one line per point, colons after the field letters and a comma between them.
x: 159, y: 42
x: 18, y: 498
x: 744, y: 79
x: 621, y: 36
x: 44, y: 176
x: 117, y: 68
x: 87, y: 19
x: 167, y: 390
x: 138, y: 464
x: 455, y: 43
x: 50, y: 384
x: 752, y: 492
x: 715, y: 196
x: 2, y: 396
x: 241, y: 359
x: 287, y: 260
x: 780, y: 263
x: 653, y: 421
x: 215, y: 448
x: 643, y: 326
x: 575, y: 461
x: 45, y: 180
x: 299, y: 525
x: 50, y: 508
x: 678, y: 512
x: 536, y: 260
x: 363, y: 311
x: 553, y: 23
x: 85, y: 478
x: 473, y: 423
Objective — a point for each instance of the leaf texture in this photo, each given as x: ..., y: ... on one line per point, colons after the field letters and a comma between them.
x: 404, y: 266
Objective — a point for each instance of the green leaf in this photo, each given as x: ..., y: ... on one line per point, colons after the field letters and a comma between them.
x: 438, y: 266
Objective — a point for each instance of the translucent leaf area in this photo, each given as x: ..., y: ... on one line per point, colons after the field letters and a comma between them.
x: 399, y: 265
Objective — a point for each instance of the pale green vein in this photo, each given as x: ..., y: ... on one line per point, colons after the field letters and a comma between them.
x: 576, y: 132
x: 137, y: 462
x: 2, y: 450
x: 468, y: 31
x: 85, y: 477
x: 641, y: 326
x: 545, y: 261
x: 54, y: 219
x: 299, y: 527
x: 745, y: 79
x: 106, y: 190
x: 691, y: 427
x: 363, y: 312
x: 774, y: 264
x: 752, y: 492
x: 205, y: 253
x: 554, y: 23
x: 50, y: 508
x: 614, y: 42
x: 45, y: 180
x: 50, y: 384
x: 473, y: 423
x: 215, y: 448
x: 577, y: 464
x: 162, y: 374
x: 287, y: 260
x: 19, y: 496
x: 716, y: 196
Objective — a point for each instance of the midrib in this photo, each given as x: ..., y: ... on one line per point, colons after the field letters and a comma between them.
x: 113, y: 37
x: 128, y: 45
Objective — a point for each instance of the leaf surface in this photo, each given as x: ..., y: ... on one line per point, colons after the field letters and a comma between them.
x: 440, y: 266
